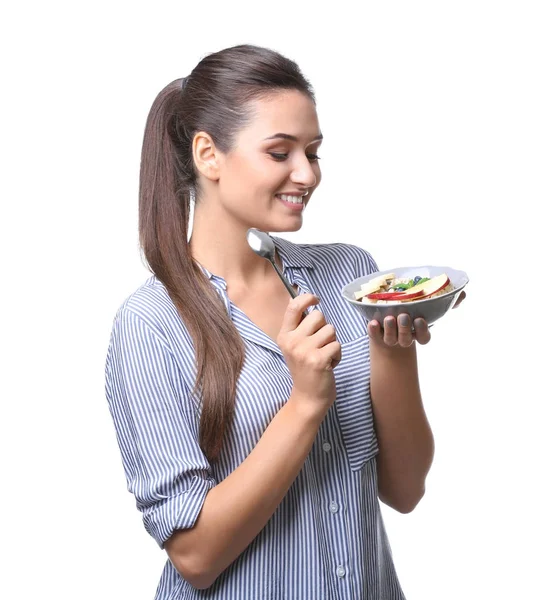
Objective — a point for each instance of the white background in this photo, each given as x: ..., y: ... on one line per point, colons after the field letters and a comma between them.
x: 440, y: 148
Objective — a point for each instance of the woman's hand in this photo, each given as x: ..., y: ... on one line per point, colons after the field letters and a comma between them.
x: 311, y: 352
x: 460, y: 299
x: 398, y: 332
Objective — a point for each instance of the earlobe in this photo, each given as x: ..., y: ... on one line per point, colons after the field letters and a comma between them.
x: 205, y: 156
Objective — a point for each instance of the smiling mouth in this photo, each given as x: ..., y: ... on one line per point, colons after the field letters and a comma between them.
x: 290, y: 199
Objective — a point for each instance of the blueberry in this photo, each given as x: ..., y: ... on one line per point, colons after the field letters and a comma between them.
x: 417, y: 279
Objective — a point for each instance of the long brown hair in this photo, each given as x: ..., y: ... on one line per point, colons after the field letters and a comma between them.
x: 215, y: 99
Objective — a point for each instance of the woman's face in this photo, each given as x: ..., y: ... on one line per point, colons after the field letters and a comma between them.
x: 268, y: 177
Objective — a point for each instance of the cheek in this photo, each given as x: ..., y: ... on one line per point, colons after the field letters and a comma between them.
x: 266, y: 175
x: 252, y: 169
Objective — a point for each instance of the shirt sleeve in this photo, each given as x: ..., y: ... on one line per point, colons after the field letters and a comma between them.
x: 156, y: 428
x: 365, y: 264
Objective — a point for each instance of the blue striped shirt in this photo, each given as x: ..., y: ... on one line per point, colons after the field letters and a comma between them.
x: 326, y: 540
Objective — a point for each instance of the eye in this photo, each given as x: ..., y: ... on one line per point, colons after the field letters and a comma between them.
x: 284, y: 156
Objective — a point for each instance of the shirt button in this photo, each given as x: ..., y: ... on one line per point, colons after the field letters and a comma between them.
x: 326, y: 447
x: 333, y: 507
x: 340, y: 571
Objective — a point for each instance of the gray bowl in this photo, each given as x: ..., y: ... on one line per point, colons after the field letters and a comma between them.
x: 430, y: 309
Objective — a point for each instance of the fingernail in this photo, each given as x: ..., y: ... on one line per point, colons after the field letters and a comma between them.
x: 404, y: 320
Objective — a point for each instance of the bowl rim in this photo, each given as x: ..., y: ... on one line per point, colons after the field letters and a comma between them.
x: 414, y: 302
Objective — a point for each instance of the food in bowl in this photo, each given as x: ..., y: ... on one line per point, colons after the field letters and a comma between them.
x: 390, y: 289
x: 431, y: 308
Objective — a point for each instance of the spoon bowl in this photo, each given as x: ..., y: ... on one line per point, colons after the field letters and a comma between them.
x: 261, y: 243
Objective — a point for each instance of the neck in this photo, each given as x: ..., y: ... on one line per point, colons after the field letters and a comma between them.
x: 221, y: 247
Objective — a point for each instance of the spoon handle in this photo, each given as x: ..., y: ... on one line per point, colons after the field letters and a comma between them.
x: 285, y: 281
x: 290, y: 289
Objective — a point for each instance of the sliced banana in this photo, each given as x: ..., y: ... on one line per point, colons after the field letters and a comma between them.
x: 374, y: 285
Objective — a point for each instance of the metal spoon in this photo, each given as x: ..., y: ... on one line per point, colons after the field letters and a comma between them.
x: 261, y: 243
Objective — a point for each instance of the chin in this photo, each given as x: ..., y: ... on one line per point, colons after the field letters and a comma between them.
x: 277, y: 225
x: 295, y: 227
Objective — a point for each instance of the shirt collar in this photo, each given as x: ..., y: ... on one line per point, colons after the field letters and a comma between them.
x: 291, y: 254
x: 208, y: 273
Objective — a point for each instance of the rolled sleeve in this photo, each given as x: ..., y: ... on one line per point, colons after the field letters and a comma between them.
x: 177, y: 511
x: 156, y: 428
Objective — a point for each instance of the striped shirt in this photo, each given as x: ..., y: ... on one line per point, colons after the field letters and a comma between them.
x: 326, y: 540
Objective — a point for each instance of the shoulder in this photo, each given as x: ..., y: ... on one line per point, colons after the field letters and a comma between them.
x: 151, y: 305
x: 324, y: 254
x: 149, y: 336
x: 345, y: 259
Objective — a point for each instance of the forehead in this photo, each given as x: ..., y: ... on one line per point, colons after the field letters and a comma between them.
x: 288, y: 111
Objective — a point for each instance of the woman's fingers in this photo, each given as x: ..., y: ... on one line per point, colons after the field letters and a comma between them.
x: 312, y: 323
x: 325, y: 334
x: 422, y: 331
x: 390, y: 337
x: 375, y: 331
x: 294, y: 311
x: 405, y: 332
x: 460, y: 299
x: 399, y: 332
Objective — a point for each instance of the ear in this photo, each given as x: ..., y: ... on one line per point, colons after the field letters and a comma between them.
x: 205, y: 155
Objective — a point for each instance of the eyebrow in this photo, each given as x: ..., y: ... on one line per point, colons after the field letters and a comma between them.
x: 291, y: 138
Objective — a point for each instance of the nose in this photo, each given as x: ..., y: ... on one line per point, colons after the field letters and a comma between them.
x: 304, y: 172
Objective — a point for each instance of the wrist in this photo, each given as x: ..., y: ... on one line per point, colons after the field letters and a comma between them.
x: 306, y: 408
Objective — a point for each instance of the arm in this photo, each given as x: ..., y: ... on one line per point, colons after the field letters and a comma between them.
x: 404, y: 435
x: 203, y: 526
x: 406, y: 445
x: 236, y: 510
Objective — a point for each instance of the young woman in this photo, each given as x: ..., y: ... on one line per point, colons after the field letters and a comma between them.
x: 247, y: 431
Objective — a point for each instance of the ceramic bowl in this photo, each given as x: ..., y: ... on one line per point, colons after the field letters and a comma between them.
x: 430, y: 309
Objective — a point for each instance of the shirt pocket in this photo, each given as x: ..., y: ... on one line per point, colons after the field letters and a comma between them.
x: 353, y: 402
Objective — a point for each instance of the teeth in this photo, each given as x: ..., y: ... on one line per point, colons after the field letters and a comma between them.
x: 293, y: 199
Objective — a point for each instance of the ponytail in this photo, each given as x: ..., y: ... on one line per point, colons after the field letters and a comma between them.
x: 164, y: 196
